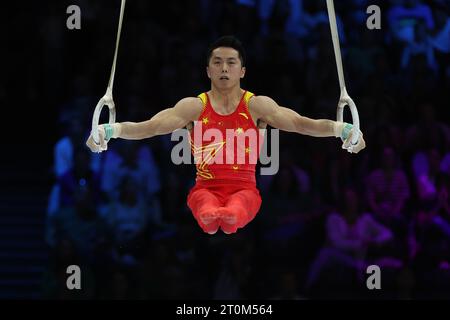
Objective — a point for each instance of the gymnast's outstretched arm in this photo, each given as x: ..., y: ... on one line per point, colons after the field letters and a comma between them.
x: 267, y: 110
x: 164, y: 122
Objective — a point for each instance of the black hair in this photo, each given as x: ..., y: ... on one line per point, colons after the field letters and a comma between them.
x: 228, y: 42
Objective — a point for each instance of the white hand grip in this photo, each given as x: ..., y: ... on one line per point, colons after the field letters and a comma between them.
x: 105, y: 100
x: 343, y: 101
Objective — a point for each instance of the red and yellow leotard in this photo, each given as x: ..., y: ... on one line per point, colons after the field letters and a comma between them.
x: 213, y: 157
x: 225, y: 149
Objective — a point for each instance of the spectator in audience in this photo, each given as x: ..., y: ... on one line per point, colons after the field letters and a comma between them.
x: 404, y: 15
x: 421, y: 45
x: 80, y: 223
x: 388, y: 190
x: 127, y: 219
x: 350, y: 233
x: 136, y: 160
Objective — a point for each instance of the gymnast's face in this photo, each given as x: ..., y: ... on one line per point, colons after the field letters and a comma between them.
x: 225, y: 68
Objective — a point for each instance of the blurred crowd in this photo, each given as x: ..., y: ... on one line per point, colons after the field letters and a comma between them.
x: 326, y: 215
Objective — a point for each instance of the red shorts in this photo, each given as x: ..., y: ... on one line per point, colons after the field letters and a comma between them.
x: 242, y: 196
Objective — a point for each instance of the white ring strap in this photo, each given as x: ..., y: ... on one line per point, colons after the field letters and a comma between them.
x: 344, y: 98
x: 107, y: 99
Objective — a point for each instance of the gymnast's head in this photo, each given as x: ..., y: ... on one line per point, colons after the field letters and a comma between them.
x: 226, y: 62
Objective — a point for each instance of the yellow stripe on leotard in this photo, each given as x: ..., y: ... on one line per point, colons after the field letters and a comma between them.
x: 204, y: 98
x: 247, y: 97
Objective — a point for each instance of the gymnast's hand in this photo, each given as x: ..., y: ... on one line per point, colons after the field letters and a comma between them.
x: 102, y: 146
x: 355, y: 148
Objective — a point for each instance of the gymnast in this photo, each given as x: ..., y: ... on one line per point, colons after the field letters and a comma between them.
x: 225, y: 195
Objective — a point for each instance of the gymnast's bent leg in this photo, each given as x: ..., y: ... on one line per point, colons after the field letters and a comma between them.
x: 204, y: 204
x: 240, y: 208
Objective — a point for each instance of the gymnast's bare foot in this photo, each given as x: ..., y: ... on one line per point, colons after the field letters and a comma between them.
x: 213, y: 230
x: 208, y: 217
x: 227, y: 215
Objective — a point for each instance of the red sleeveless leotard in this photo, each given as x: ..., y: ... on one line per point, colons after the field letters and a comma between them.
x: 226, y: 147
x: 225, y: 165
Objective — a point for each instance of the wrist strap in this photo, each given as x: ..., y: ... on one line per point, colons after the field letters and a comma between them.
x: 108, y: 131
x: 346, y: 130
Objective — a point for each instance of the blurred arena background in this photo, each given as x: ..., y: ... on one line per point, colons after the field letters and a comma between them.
x: 122, y: 215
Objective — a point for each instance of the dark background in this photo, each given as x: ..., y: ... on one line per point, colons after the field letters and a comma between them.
x: 122, y: 216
